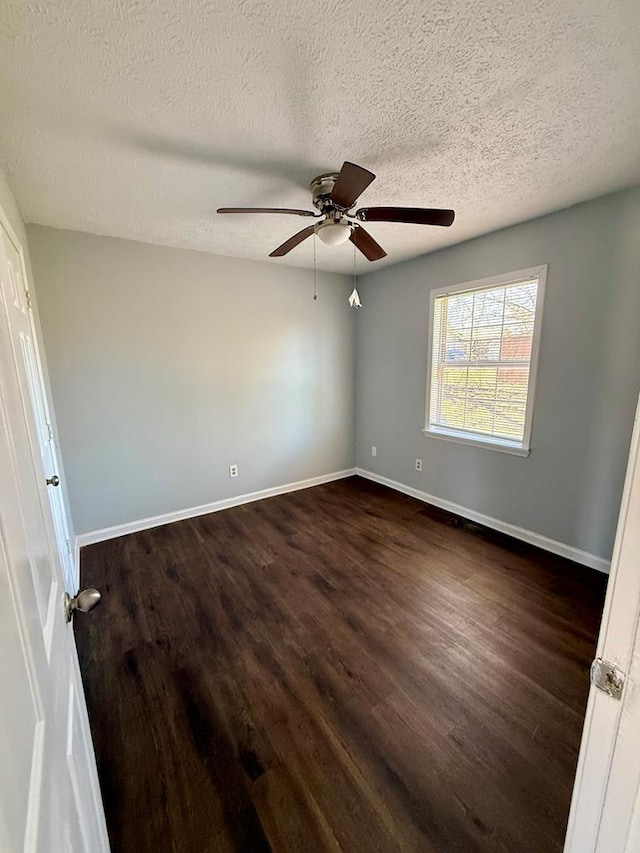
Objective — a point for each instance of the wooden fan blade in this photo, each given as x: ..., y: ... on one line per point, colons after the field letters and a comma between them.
x: 292, y: 242
x: 417, y: 215
x: 351, y: 182
x: 367, y: 245
x: 291, y: 210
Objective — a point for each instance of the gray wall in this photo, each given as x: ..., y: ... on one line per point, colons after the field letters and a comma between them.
x: 569, y: 488
x: 166, y: 365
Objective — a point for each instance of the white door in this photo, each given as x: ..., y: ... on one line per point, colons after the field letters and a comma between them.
x: 44, y: 429
x: 605, y: 812
x: 49, y: 796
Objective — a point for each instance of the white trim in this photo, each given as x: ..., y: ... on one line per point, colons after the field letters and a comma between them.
x: 100, y: 842
x: 492, y: 444
x: 32, y: 824
x: 8, y: 227
x: 602, y: 807
x: 537, y: 539
x: 76, y: 562
x: 540, y: 273
x: 513, y: 277
x: 93, y: 536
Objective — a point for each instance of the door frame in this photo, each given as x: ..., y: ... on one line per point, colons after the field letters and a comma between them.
x: 43, y: 375
x: 598, y: 804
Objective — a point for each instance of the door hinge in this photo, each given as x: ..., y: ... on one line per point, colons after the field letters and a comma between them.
x: 607, y: 677
x: 49, y: 432
x: 69, y: 548
x: 27, y: 296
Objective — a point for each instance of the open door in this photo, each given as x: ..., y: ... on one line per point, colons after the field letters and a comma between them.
x: 605, y: 811
x: 43, y: 421
x: 49, y: 795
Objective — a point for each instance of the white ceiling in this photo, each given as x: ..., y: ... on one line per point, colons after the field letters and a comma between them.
x: 138, y: 118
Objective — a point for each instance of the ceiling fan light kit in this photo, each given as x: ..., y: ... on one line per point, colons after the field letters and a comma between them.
x: 334, y: 194
x: 333, y: 232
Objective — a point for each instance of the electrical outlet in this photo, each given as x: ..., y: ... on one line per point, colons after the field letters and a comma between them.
x: 233, y: 470
x: 418, y: 464
x: 374, y: 450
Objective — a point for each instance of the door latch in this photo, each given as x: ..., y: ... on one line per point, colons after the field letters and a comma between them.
x: 607, y: 677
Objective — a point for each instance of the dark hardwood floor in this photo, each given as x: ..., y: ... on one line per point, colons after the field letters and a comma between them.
x: 342, y: 668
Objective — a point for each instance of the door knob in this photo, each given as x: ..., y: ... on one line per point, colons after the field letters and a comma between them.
x: 84, y: 602
x: 53, y: 481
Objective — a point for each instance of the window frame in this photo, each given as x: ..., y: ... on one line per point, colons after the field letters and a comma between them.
x: 504, y: 445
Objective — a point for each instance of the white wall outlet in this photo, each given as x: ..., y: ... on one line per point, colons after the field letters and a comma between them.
x: 233, y: 470
x: 374, y: 450
x: 418, y: 464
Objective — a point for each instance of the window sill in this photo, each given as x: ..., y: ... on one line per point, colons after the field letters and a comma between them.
x: 486, y: 443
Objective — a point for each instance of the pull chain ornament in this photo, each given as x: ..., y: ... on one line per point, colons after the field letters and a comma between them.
x: 354, y: 299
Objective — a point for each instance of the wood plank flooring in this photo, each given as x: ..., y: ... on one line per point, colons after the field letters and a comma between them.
x: 338, y: 669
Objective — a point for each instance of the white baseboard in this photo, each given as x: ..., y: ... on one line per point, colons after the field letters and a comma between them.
x: 93, y: 536
x: 529, y: 536
x: 537, y: 539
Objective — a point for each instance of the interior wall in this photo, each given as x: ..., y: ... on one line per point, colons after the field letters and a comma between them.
x: 570, y: 486
x: 168, y: 365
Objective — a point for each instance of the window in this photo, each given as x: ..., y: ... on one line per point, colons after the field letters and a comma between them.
x: 482, y: 364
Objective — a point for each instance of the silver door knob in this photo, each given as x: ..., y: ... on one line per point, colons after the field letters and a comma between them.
x: 53, y: 481
x: 84, y: 602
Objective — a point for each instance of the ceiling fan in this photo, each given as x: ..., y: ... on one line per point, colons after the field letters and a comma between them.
x: 334, y: 195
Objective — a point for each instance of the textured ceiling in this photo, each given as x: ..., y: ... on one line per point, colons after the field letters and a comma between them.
x: 138, y: 118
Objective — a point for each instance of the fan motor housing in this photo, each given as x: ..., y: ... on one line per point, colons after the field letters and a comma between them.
x: 321, y: 188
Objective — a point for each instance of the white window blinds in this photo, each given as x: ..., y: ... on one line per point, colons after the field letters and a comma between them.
x: 482, y: 344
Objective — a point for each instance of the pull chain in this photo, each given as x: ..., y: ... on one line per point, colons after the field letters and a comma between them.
x: 315, y: 271
x: 354, y: 267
